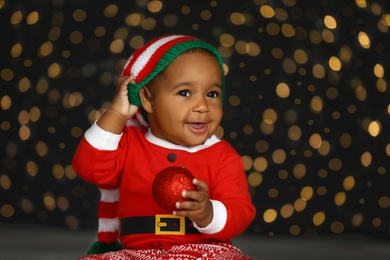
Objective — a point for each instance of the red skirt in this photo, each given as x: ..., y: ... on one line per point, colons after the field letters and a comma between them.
x: 213, y: 251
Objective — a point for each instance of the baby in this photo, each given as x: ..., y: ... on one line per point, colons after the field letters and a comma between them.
x: 166, y: 110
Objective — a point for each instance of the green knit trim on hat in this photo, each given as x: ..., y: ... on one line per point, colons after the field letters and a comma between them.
x: 165, y: 60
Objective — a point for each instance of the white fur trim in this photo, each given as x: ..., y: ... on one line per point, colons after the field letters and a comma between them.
x: 193, y: 149
x: 101, y: 139
x: 219, y: 219
x: 108, y: 224
x: 109, y: 195
x: 144, y: 58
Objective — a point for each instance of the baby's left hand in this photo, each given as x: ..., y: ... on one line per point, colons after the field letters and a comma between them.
x: 200, y: 208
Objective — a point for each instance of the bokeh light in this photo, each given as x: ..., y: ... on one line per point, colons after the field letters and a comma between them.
x: 307, y: 103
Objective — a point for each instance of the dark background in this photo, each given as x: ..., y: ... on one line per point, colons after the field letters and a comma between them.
x: 60, y: 61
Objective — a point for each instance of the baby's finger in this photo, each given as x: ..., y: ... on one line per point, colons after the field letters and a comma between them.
x: 202, y: 185
x: 133, y: 109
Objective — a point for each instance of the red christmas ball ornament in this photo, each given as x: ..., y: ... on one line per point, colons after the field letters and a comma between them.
x: 169, y: 185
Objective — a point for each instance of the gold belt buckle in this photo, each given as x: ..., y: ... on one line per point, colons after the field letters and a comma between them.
x: 160, y: 225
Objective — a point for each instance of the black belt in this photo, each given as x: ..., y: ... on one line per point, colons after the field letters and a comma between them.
x: 159, y: 225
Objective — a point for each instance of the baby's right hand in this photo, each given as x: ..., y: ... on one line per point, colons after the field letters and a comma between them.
x: 120, y: 104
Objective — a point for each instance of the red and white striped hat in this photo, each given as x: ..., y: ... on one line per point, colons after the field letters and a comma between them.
x: 152, y: 58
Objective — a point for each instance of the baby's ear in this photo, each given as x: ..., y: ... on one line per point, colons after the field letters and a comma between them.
x: 146, y: 99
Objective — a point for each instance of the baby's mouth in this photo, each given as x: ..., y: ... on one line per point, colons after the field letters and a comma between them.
x: 197, y: 127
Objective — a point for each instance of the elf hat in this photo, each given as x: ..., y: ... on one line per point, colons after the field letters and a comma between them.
x: 152, y: 58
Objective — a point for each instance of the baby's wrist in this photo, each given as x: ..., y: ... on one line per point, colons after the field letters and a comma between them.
x: 116, y: 114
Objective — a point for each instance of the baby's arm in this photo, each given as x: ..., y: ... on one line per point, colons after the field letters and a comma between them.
x: 115, y: 118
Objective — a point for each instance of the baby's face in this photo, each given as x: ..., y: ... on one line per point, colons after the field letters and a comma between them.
x: 186, y: 99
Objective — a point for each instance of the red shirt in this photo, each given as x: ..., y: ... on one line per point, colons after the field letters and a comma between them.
x: 140, y: 156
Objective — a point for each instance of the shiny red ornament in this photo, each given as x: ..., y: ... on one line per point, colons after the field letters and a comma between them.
x: 169, y: 185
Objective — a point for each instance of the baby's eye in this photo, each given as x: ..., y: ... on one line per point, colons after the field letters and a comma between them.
x: 184, y: 93
x: 213, y: 94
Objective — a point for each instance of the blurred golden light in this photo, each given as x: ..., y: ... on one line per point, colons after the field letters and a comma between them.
x: 366, y: 159
x: 361, y: 3
x: 5, y: 182
x: 261, y: 146
x: 255, y: 179
x: 5, y: 102
x: 379, y: 71
x: 294, y: 133
x: 279, y: 156
x: 248, y: 130
x: 32, y: 18
x: 24, y: 133
x: 384, y: 202
x: 340, y: 198
x: 374, y: 128
x: 300, y: 56
x: 54, y: 70
x: 71, y: 222
x: 7, y: 210
x: 49, y: 201
x: 205, y: 15
x: 79, y: 15
x: 295, y: 230
x: 41, y: 148
x: 260, y: 164
x: 16, y: 17
x: 357, y: 220
x: 330, y: 22
x: 316, y: 104
x: 349, y: 183
x: 63, y: 203
x: 361, y: 93
x: 381, y: 85
x: 272, y: 28
x: 111, y: 10
x: 307, y: 193
x: 277, y: 53
x: 26, y: 205
x: 237, y: 18
x: 299, y: 205
x: 287, y: 210
x: 282, y: 90
x: 58, y: 171
x: 377, y: 222
x: 234, y: 100
x: 227, y: 40
x: 335, y: 164
x: 319, y: 218
x: 32, y: 168
x: 337, y: 227
x: 324, y: 148
x: 318, y: 71
x: 270, y: 116
x: 334, y: 63
x: 16, y: 50
x: 117, y: 46
x: 7, y: 74
x: 267, y: 11
x: 288, y: 30
x: 299, y: 170
x: 315, y: 141
x: 328, y: 36
x: 364, y: 40
x: 70, y: 173
x: 270, y: 215
x: 273, y: 193
x: 155, y: 6
x: 252, y: 49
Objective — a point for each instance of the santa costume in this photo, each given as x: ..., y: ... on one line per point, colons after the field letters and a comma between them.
x: 124, y: 167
